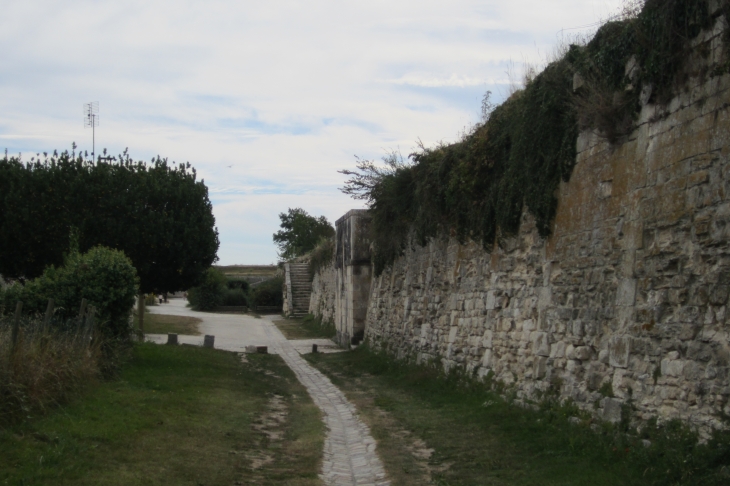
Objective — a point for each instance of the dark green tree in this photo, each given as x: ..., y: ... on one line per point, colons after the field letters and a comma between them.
x: 158, y: 214
x: 300, y: 233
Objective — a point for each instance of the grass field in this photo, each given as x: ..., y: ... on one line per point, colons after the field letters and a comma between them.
x: 268, y: 271
x: 164, y: 324
x: 178, y: 416
x: 433, y: 429
x: 304, y: 328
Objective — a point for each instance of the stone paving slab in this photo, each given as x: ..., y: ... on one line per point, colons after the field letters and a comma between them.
x: 349, y: 449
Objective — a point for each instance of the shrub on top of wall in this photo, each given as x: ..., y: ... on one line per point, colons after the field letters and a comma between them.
x: 322, y: 255
x: 478, y: 187
x: 102, y: 276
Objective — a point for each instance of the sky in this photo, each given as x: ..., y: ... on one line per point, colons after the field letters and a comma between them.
x: 268, y: 99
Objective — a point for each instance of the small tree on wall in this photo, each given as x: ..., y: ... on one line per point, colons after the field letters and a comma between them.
x: 300, y: 233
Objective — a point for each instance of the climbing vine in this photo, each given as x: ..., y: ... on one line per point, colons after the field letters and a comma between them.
x: 478, y: 187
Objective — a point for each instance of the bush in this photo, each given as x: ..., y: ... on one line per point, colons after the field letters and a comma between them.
x: 268, y: 293
x: 102, y: 276
x: 239, y: 283
x: 210, y: 293
x: 235, y: 297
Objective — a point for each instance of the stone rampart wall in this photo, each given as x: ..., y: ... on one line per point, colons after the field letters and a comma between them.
x: 322, y: 300
x: 626, y: 302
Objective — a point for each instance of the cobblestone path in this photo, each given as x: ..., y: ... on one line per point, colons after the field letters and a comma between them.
x: 349, y: 449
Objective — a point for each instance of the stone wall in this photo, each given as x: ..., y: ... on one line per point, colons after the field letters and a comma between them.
x: 322, y: 300
x: 626, y: 302
x: 340, y: 291
x: 352, y: 275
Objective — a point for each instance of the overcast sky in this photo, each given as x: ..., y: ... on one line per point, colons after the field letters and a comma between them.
x: 266, y: 99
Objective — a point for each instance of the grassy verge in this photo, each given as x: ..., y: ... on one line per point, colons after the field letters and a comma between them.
x: 177, y: 415
x: 163, y: 324
x: 46, y: 368
x: 434, y: 429
x: 308, y: 327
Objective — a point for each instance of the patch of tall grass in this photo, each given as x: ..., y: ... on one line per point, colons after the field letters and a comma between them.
x: 45, y: 366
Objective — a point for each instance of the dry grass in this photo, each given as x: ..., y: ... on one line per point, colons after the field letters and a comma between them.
x: 45, y: 368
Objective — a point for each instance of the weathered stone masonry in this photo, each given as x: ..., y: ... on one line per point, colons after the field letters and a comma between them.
x: 628, y: 295
x: 340, y: 291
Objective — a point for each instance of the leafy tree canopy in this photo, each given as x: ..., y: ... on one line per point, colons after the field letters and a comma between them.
x: 157, y: 214
x: 300, y: 233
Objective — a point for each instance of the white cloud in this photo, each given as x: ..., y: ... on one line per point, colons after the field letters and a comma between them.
x: 285, y: 92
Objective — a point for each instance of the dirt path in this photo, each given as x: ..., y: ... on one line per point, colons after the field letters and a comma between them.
x: 349, y: 450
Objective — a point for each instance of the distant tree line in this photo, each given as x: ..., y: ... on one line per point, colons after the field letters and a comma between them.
x: 216, y: 289
x: 157, y: 213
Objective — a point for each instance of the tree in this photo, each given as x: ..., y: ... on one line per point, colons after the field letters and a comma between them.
x: 300, y: 233
x: 158, y: 214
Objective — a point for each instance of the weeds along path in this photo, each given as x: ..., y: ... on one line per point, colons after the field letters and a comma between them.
x: 349, y: 449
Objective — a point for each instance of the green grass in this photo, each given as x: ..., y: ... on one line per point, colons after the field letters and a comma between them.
x: 307, y: 327
x: 164, y: 324
x: 477, y: 437
x: 179, y: 416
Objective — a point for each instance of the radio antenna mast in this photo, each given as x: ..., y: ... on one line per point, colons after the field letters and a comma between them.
x: 91, y: 119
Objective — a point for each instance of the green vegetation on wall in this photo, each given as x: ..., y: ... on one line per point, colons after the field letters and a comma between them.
x: 322, y: 255
x: 478, y: 187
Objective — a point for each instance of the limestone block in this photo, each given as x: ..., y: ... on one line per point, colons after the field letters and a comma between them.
x: 618, y: 351
x: 573, y: 366
x: 452, y: 333
x: 545, y: 297
x: 672, y: 367
x: 487, y: 358
x: 540, y: 344
x: 557, y: 350
x: 603, y: 356
x: 626, y: 292
x: 693, y: 371
x: 491, y: 300
x: 577, y: 328
x: 594, y: 381
x: 611, y: 410
x: 487, y: 339
x: 582, y: 353
x: 539, y: 367
x: 570, y: 352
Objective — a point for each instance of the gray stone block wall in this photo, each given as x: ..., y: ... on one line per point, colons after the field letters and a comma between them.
x: 629, y: 294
